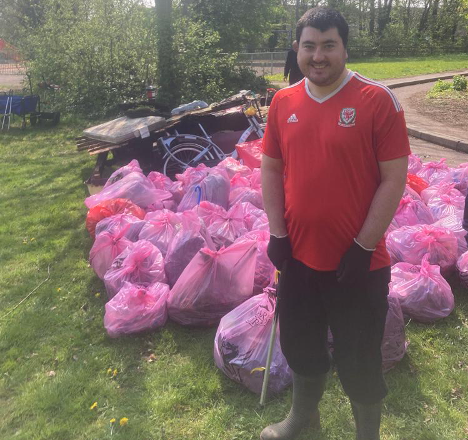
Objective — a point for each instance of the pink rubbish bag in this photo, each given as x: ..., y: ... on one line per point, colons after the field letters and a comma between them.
x: 412, y: 212
x: 109, y: 208
x: 250, y: 153
x: 409, y: 244
x: 411, y: 192
x: 433, y: 172
x: 261, y: 223
x: 164, y: 197
x: 160, y: 228
x: 225, y: 229
x: 244, y: 194
x: 462, y: 269
x: 132, y: 167
x: 233, y: 167
x: 213, y: 284
x: 106, y: 248
x: 251, y: 214
x: 115, y: 223
x: 140, y: 263
x: 454, y: 223
x: 240, y: 181
x: 135, y: 187
x: 264, y: 269
x: 190, y: 237
x: 241, y: 346
x: 214, y: 188
x: 444, y: 187
x: 208, y: 212
x: 160, y: 181
x: 459, y: 177
x: 445, y: 205
x: 136, y: 308
x: 394, y: 343
x: 414, y: 164
x: 424, y: 294
x: 193, y: 175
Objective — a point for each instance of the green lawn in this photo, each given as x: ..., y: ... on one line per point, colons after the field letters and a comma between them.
x: 385, y: 68
x: 56, y: 360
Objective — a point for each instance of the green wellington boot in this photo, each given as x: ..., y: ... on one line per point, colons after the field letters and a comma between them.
x: 367, y: 418
x: 307, y: 392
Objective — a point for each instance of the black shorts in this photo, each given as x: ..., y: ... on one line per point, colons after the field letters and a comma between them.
x: 311, y: 301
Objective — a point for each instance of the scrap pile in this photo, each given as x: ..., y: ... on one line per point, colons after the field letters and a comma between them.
x: 194, y: 250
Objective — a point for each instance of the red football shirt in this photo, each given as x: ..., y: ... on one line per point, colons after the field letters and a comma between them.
x: 331, y: 148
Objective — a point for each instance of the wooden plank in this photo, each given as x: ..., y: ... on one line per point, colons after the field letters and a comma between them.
x: 103, y: 150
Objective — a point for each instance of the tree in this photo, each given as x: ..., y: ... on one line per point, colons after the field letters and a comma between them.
x: 165, y: 36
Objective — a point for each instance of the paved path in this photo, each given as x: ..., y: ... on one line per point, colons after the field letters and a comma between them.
x: 421, y: 126
x: 8, y: 82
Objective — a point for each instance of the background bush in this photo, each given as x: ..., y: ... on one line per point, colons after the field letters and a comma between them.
x: 459, y: 83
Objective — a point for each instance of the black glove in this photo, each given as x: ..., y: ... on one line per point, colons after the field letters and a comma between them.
x: 279, y: 250
x: 354, y: 265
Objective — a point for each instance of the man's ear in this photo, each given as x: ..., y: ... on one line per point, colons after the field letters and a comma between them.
x: 295, y: 46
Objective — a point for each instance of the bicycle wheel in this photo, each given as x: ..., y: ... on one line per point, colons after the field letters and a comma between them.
x: 181, y: 157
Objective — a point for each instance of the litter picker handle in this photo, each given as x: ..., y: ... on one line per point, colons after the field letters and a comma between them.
x: 271, y: 345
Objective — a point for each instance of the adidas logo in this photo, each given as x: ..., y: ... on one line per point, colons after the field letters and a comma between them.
x: 293, y: 118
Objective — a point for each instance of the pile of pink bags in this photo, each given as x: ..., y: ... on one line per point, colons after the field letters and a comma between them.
x: 195, y: 250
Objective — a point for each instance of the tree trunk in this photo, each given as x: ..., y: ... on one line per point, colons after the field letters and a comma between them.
x: 166, y: 59
x: 372, y: 17
x: 424, y: 17
x: 384, y: 16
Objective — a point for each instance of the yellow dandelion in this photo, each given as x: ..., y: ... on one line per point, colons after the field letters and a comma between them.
x: 109, y: 370
x: 114, y: 373
x: 32, y: 239
x: 94, y: 405
x: 59, y: 289
x: 123, y: 421
x: 97, y: 295
x: 112, y: 420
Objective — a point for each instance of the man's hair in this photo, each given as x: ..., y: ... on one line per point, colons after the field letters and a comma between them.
x: 323, y: 18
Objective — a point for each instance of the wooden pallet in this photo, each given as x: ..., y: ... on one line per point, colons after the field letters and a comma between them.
x: 94, y: 146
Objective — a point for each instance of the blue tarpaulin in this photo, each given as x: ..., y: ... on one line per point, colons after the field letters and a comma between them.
x: 21, y: 105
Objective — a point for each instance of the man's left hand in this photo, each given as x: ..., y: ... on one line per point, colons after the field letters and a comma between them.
x: 354, y: 265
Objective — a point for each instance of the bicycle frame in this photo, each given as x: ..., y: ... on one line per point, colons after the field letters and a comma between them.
x: 204, y: 144
x: 198, y: 140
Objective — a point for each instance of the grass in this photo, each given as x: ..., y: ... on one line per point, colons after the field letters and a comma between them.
x: 385, y: 68
x: 55, y: 354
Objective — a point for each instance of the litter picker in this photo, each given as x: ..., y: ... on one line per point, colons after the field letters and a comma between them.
x: 266, y: 376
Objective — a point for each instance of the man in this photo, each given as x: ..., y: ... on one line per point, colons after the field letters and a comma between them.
x: 291, y: 67
x: 333, y: 171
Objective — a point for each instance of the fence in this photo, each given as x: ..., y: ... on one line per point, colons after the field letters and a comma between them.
x: 10, y: 62
x: 272, y: 63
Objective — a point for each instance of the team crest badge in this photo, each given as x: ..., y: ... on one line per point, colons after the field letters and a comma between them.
x: 347, y: 117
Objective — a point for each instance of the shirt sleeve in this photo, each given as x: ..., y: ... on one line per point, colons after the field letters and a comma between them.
x: 390, y: 133
x: 271, y: 139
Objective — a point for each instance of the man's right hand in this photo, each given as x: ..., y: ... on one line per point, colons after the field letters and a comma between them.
x: 279, y: 250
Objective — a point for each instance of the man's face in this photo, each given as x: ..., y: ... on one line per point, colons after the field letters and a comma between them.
x: 321, y: 56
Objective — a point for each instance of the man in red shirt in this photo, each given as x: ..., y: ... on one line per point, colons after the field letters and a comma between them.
x: 333, y: 171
